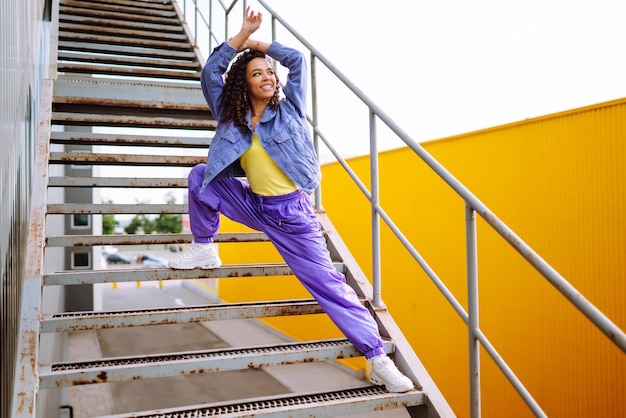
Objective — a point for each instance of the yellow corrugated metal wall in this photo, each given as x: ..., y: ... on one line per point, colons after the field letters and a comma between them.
x: 560, y: 182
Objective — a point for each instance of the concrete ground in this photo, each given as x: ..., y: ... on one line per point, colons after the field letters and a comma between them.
x: 123, y: 397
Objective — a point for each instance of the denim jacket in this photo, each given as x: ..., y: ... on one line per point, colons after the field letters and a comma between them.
x: 283, y: 132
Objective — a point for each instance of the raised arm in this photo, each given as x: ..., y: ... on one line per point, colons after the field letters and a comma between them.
x: 211, y: 79
x: 251, y: 23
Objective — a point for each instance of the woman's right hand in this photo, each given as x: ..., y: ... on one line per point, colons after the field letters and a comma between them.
x: 251, y: 22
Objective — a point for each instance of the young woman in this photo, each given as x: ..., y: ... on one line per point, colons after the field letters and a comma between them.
x: 267, y: 140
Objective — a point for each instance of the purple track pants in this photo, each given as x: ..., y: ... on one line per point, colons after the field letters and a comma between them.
x: 290, y: 223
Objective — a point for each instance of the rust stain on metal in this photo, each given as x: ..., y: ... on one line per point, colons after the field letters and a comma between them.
x: 30, y: 344
x: 102, y: 377
x: 115, y: 120
x: 144, y: 104
x: 23, y: 401
x: 176, y: 160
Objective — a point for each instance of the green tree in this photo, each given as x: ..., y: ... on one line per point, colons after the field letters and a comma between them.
x: 169, y: 224
x: 134, y: 225
x: 163, y: 224
x: 108, y: 222
x: 149, y: 226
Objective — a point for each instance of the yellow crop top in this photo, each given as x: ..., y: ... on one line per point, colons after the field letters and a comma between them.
x: 265, y: 177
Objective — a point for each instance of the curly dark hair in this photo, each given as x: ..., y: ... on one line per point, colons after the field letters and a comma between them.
x: 235, y: 102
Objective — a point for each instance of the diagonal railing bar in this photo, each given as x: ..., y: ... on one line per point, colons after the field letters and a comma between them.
x: 506, y: 370
x: 473, y: 204
x: 456, y: 305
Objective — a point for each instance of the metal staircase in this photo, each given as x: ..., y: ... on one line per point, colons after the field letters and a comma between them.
x: 129, y: 63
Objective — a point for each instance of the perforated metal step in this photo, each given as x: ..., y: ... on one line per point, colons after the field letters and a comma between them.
x: 90, y: 138
x: 129, y: 275
x: 90, y: 240
x: 306, y: 405
x: 120, y: 369
x: 82, y: 321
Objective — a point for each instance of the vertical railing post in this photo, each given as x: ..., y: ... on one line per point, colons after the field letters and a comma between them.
x: 226, y: 25
x: 316, y: 140
x: 472, y: 308
x: 195, y: 23
x: 210, y: 31
x: 376, y: 279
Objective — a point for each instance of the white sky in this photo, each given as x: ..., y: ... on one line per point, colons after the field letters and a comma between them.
x: 441, y: 68
x: 447, y: 67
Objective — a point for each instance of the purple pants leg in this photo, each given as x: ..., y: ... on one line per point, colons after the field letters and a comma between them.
x: 289, y: 221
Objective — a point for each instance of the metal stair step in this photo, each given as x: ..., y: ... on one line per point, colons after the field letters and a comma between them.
x: 78, y: 68
x: 128, y: 24
x: 147, y: 239
x: 301, y: 405
x: 152, y: 4
x: 120, y: 369
x: 79, y: 158
x: 82, y: 321
x: 117, y: 16
x: 136, y: 51
x: 119, y: 40
x: 74, y: 277
x: 89, y: 138
x: 105, y: 93
x: 104, y: 9
x: 131, y: 61
x: 113, y: 208
x: 86, y: 119
x: 157, y: 4
x: 128, y: 7
x: 113, y: 31
x: 115, y: 182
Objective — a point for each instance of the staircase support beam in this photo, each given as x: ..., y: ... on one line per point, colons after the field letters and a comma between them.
x: 26, y: 382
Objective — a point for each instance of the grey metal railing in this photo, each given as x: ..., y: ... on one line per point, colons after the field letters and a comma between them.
x: 473, y: 206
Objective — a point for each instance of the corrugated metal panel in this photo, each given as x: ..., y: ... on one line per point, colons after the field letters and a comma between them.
x: 560, y: 182
x: 20, y: 26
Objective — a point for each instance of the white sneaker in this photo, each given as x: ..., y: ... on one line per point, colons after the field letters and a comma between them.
x: 197, y: 256
x: 385, y: 373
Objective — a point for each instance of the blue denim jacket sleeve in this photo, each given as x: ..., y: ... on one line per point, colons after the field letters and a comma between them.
x: 212, y: 77
x: 296, y: 86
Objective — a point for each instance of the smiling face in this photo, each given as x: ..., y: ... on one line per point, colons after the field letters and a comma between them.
x: 261, y: 79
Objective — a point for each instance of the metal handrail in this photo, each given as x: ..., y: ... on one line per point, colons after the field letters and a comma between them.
x: 472, y: 206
